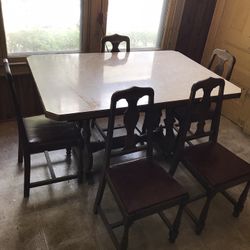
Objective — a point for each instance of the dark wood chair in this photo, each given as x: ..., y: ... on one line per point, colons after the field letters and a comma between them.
x: 39, y: 134
x: 222, y: 63
x: 115, y: 40
x: 215, y: 167
x: 140, y: 186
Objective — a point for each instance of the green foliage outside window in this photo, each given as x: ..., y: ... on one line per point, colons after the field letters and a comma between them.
x: 41, y: 40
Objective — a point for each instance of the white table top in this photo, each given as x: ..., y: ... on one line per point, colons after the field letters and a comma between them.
x: 79, y: 86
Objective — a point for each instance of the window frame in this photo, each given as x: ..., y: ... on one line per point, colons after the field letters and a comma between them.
x: 26, y: 54
x: 161, y: 29
x: 93, y: 19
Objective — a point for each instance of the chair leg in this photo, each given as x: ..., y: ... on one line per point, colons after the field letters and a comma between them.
x: 88, y: 154
x: 173, y: 166
x: 68, y: 154
x: 80, y: 165
x: 240, y: 204
x: 124, y: 241
x: 89, y: 175
x: 99, y: 194
x: 20, y: 151
x: 26, y: 175
x: 203, y: 215
x: 175, y: 228
x: 92, y: 124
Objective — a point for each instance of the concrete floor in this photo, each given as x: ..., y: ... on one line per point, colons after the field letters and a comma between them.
x: 60, y: 216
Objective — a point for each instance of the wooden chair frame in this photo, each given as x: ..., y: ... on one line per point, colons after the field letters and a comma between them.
x: 26, y: 147
x: 115, y: 40
x: 219, y: 59
x: 194, y: 157
x: 131, y: 143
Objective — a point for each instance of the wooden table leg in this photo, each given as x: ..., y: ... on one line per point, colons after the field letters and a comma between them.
x: 157, y: 128
x: 88, y: 154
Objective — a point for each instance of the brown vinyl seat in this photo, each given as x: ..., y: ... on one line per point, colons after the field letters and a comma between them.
x: 215, y: 167
x: 216, y: 171
x: 222, y: 63
x: 115, y: 40
x: 39, y: 134
x: 140, y: 186
x: 143, y: 190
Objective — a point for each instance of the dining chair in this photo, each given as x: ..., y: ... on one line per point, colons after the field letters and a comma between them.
x: 214, y: 166
x: 39, y: 134
x: 222, y: 63
x: 140, y: 186
x: 115, y: 41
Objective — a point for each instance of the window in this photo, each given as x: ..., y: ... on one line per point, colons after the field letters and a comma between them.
x: 33, y: 26
x: 141, y: 20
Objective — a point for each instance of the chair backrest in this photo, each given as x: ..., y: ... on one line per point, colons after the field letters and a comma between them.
x: 222, y: 63
x: 10, y: 81
x: 115, y: 40
x: 130, y: 142
x: 203, y: 111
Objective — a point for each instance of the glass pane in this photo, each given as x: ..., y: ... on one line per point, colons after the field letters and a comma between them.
x: 141, y: 20
x: 41, y: 25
